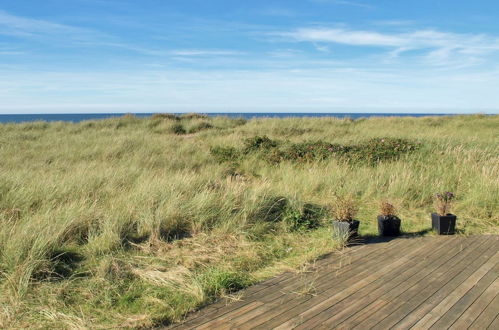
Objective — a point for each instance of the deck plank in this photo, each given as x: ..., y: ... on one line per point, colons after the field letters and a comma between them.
x: 384, y: 263
x: 341, y: 310
x: 333, y: 270
x: 483, y: 311
x: 453, y: 297
x: 396, y: 284
x: 463, y: 305
x: 432, y: 292
x: 433, y: 282
x: 338, y: 262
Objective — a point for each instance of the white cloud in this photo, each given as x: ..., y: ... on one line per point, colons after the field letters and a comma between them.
x: 342, y: 36
x: 438, y: 45
x: 18, y: 26
x: 358, y: 89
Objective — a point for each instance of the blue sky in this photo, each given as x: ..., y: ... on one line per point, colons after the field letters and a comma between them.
x: 249, y: 56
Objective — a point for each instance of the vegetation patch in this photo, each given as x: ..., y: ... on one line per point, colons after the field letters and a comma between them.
x: 165, y: 116
x: 217, y: 282
x: 225, y: 154
x: 200, y: 127
x: 383, y: 149
x: 258, y: 143
x: 178, y: 129
x: 371, y: 152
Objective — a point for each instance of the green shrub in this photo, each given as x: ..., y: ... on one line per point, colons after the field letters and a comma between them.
x: 178, y: 129
x: 370, y: 152
x: 313, y: 150
x: 258, y: 143
x: 382, y: 149
x: 225, y: 154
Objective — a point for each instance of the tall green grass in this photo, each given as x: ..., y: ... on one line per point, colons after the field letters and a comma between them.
x: 134, y: 222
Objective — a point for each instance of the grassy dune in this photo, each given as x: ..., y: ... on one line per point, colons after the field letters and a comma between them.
x: 134, y: 222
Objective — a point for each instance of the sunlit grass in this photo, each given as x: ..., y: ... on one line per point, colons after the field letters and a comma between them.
x: 132, y: 222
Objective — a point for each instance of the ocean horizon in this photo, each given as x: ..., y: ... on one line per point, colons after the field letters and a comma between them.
x: 79, y: 117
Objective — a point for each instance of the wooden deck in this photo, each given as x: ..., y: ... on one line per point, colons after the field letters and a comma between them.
x: 421, y: 283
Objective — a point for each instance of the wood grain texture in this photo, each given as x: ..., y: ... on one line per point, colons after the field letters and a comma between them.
x: 437, y: 282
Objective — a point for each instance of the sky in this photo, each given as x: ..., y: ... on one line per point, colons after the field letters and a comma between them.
x: 78, y: 56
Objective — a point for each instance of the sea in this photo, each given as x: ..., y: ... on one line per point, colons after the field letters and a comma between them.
x: 78, y: 117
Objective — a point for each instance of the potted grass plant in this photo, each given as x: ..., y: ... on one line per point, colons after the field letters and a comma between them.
x: 388, y: 222
x: 444, y: 222
x: 344, y: 210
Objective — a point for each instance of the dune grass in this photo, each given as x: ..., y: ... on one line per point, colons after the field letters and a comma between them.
x: 131, y: 222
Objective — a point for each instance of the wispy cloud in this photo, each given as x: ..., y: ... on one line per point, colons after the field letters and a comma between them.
x: 18, y: 26
x: 438, y: 45
x: 274, y: 90
x: 343, y: 36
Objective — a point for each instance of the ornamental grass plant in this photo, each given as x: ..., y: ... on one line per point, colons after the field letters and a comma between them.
x: 443, y: 202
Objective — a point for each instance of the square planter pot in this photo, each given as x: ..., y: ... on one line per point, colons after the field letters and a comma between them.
x: 443, y: 224
x: 388, y: 225
x: 346, y: 228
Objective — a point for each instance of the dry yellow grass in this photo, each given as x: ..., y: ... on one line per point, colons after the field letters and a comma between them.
x: 122, y: 222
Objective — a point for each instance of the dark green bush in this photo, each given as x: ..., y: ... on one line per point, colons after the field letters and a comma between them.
x: 382, y: 149
x: 257, y: 143
x: 369, y: 152
x: 313, y: 150
x: 178, y: 129
x: 225, y: 154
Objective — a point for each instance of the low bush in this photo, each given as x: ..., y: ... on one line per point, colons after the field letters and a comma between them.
x: 370, y: 152
x: 313, y: 150
x: 258, y: 143
x: 382, y: 149
x: 178, y: 129
x: 225, y: 154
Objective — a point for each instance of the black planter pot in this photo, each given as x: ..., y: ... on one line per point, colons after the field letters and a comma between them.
x: 388, y: 225
x: 443, y: 224
x: 346, y: 228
